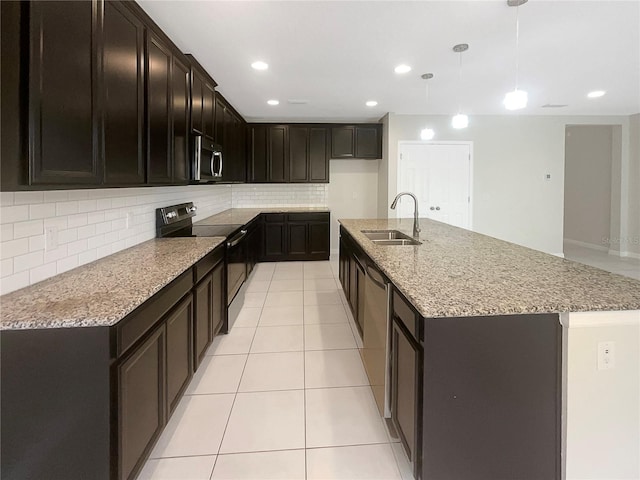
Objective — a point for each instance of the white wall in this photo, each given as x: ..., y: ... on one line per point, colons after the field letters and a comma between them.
x: 602, y: 406
x: 93, y: 223
x: 631, y: 245
x: 353, y: 193
x: 587, y: 184
x: 512, y: 155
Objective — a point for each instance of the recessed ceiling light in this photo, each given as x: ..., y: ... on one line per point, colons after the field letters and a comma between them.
x: 273, y: 102
x: 259, y: 65
x: 596, y: 94
x: 371, y: 103
x: 402, y: 69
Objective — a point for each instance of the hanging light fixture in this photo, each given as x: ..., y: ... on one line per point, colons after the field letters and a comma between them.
x: 517, y: 99
x: 460, y: 120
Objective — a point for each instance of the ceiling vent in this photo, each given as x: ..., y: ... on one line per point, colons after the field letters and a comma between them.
x: 554, y: 105
x: 293, y: 101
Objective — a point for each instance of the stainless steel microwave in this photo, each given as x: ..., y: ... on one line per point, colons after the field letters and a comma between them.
x: 207, y: 161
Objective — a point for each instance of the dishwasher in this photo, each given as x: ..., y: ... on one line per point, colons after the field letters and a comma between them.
x: 376, y: 338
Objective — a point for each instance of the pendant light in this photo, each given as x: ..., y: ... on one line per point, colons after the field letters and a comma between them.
x: 517, y: 99
x: 460, y: 120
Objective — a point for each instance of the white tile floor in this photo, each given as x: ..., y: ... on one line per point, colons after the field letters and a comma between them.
x: 284, y: 395
x: 627, y: 266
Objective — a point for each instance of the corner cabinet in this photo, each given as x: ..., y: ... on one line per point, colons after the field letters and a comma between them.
x: 268, y: 153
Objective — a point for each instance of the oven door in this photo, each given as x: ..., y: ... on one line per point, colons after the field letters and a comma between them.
x: 236, y: 264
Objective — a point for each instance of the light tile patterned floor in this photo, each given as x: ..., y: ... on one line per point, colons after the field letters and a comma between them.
x: 284, y: 395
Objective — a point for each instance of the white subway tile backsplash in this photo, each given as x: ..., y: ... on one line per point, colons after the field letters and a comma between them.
x: 77, y: 220
x: 15, y: 213
x: 67, y: 235
x: 13, y: 248
x: 6, y: 232
x: 42, y: 210
x: 67, y: 263
x: 66, y: 208
x: 86, y: 231
x: 26, y: 229
x: 77, y: 247
x: 36, y: 243
x: 6, y: 267
x: 92, y: 223
x: 28, y: 198
x: 54, y: 196
x: 28, y: 261
x: 87, y: 256
x: 14, y: 282
x: 87, y: 206
x: 42, y: 272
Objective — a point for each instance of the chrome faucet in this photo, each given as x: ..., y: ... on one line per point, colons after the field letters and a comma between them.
x: 416, y: 225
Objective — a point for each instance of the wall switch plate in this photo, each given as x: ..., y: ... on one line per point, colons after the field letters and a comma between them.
x: 606, y: 355
x: 50, y: 238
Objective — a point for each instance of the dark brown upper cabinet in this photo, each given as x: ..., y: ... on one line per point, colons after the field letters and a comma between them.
x: 308, y: 154
x: 202, y: 101
x: 230, y: 133
x: 356, y: 141
x: 63, y: 141
x: 268, y: 153
x: 168, y: 91
x: 93, y: 94
x: 123, y: 96
x: 293, y: 153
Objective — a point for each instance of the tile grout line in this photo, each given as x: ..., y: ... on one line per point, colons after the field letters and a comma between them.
x: 304, y: 381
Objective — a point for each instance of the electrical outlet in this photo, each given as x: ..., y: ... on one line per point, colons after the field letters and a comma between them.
x: 129, y: 220
x: 50, y: 238
x: 606, y: 355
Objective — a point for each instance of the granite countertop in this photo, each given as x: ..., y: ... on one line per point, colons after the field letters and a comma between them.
x: 103, y: 292
x: 242, y: 216
x: 456, y: 272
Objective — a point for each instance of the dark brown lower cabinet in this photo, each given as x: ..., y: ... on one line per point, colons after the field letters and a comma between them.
x: 297, y: 240
x: 296, y: 236
x: 406, y: 383
x: 209, y: 310
x: 179, y: 363
x: 141, y: 414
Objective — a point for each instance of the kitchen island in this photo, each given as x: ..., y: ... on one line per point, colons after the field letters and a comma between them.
x: 478, y: 336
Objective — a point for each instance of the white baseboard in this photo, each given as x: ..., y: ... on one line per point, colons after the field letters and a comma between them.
x: 561, y: 255
x: 577, y: 243
x: 629, y: 254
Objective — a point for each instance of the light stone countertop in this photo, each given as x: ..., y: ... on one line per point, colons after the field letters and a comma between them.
x: 459, y: 273
x: 103, y: 292
x: 242, y: 216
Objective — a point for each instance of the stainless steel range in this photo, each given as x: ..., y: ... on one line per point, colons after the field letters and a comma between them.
x: 176, y: 221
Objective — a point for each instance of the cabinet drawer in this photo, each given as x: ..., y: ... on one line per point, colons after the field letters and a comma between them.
x: 274, y: 217
x: 406, y: 314
x: 144, y: 317
x: 206, y: 264
x: 308, y: 217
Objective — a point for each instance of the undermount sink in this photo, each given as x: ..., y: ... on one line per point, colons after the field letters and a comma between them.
x: 389, y: 237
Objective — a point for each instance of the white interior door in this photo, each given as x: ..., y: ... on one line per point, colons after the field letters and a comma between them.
x: 440, y: 176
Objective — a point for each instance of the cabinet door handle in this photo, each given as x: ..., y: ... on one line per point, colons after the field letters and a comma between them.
x: 437, y: 208
x: 198, y: 158
x: 431, y: 208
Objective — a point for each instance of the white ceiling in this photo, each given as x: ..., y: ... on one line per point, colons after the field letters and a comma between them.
x: 339, y: 54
